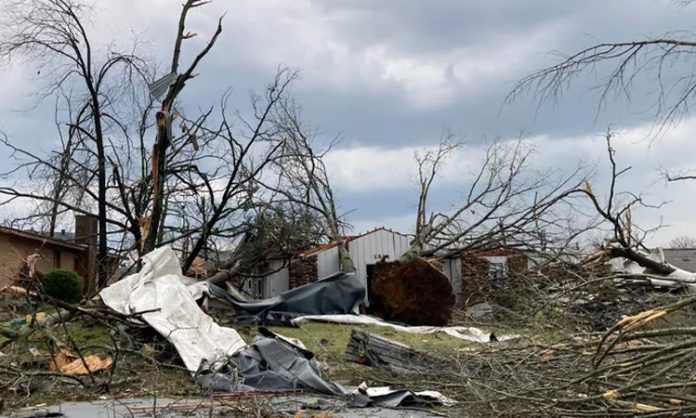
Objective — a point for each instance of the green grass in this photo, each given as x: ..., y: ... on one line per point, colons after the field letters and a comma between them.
x: 331, y: 339
x: 328, y: 342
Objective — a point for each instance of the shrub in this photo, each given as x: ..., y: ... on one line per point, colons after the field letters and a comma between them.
x: 63, y: 284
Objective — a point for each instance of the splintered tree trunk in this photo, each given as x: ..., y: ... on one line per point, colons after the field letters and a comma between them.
x: 641, y: 260
x: 159, y: 153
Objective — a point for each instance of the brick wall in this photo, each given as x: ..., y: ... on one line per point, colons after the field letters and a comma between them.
x: 477, y: 285
x: 302, y: 271
x: 14, y: 249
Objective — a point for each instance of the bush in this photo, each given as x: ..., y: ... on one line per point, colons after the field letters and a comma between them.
x: 62, y: 284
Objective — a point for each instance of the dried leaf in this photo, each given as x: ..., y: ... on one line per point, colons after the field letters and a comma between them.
x: 610, y: 395
x: 60, y: 360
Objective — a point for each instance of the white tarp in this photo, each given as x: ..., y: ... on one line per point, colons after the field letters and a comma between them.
x: 161, y: 285
x: 463, y: 333
x: 386, y: 396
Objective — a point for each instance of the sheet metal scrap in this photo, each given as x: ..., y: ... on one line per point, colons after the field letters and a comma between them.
x: 377, y: 351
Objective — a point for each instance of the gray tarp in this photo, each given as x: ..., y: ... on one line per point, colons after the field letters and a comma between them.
x: 270, y: 362
x: 338, y: 294
x: 273, y: 362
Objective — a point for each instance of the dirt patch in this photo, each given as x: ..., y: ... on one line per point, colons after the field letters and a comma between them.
x: 413, y: 292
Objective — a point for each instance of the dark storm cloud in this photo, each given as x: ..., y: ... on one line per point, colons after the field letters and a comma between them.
x: 391, y: 73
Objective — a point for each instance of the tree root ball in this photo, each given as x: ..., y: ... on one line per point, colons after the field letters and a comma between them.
x: 413, y: 292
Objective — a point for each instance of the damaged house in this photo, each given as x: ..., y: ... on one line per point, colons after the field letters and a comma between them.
x: 475, y: 274
x: 472, y: 274
x: 323, y: 261
x: 75, y: 252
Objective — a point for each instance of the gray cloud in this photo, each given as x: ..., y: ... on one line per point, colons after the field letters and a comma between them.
x: 387, y: 73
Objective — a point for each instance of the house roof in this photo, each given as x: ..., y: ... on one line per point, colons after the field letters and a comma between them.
x: 347, y: 238
x: 683, y: 258
x: 42, y: 239
x: 326, y: 246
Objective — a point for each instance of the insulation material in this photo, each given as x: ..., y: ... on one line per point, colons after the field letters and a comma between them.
x: 463, y: 333
x: 169, y: 306
x: 413, y: 292
x: 68, y: 363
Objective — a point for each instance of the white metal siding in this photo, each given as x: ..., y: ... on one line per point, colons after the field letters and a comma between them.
x: 278, y: 282
x: 452, y: 267
x: 327, y: 263
x: 367, y: 249
x: 370, y: 248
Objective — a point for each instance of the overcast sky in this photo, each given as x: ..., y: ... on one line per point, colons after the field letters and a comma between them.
x: 389, y: 76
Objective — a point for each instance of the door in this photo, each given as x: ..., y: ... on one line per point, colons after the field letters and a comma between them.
x: 370, y: 277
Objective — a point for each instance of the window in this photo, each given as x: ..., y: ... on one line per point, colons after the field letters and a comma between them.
x: 257, y: 287
x: 497, y: 271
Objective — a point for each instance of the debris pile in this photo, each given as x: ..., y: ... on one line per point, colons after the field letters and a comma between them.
x: 413, y: 292
x: 643, y: 363
x: 217, y: 356
x: 377, y: 351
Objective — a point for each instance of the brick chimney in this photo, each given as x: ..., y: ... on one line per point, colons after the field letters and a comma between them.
x: 86, y: 231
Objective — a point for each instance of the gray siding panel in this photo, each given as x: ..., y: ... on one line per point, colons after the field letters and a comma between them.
x: 278, y: 282
x: 327, y: 263
x: 452, y: 267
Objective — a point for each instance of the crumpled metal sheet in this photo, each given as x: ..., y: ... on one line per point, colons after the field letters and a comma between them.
x: 378, y: 351
x: 338, y: 294
x: 463, y: 333
x: 271, y: 362
x: 160, y: 288
x: 392, y: 398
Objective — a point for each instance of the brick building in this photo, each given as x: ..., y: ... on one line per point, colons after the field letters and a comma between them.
x: 75, y: 252
x: 475, y: 275
x: 323, y: 261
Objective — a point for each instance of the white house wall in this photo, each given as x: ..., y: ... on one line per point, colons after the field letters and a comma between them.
x: 367, y: 249
x: 370, y: 248
x: 452, y: 268
x: 277, y: 282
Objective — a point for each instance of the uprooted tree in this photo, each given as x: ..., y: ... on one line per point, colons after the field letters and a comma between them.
x: 661, y: 64
x: 626, y: 238
x: 505, y: 202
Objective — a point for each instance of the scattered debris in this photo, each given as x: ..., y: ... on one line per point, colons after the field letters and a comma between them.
x: 70, y: 364
x: 377, y: 351
x: 386, y: 396
x: 413, y: 292
x: 463, y: 333
x: 169, y: 307
x: 339, y: 294
x: 218, y: 357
